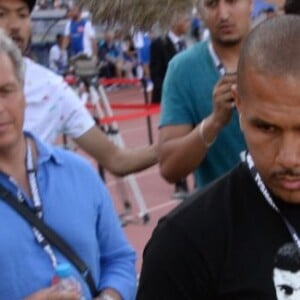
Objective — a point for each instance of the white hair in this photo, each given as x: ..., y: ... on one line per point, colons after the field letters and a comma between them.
x: 8, y: 47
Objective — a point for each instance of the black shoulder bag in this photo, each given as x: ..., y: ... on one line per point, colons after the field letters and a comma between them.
x: 52, y: 237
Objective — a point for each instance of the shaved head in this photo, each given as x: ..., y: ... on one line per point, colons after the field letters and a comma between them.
x: 272, y: 48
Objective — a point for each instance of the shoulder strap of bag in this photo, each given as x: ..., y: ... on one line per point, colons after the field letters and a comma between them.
x: 52, y: 237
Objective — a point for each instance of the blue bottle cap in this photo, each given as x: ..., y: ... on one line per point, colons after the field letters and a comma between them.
x: 63, y: 270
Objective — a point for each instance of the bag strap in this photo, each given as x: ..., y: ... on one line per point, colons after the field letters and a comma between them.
x: 52, y: 237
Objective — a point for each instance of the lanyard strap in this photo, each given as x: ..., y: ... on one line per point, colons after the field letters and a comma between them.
x: 219, y: 65
x: 53, y: 237
x: 261, y: 186
x: 31, y: 172
x: 37, y: 204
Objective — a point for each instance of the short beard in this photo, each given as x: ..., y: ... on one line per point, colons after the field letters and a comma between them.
x: 228, y: 43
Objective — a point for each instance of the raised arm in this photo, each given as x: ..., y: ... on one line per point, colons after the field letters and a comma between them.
x: 182, y: 147
x: 119, y: 161
x: 79, y: 125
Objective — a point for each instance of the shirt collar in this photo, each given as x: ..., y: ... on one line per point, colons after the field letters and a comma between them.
x: 217, y: 62
x: 173, y: 37
x: 46, y: 152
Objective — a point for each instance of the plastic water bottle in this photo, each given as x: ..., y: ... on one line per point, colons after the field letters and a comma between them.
x: 65, y: 280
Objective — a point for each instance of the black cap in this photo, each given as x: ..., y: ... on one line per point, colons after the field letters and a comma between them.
x: 31, y: 4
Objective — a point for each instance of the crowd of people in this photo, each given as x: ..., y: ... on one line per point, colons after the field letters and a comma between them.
x: 144, y: 55
x: 119, y: 53
x: 229, y: 113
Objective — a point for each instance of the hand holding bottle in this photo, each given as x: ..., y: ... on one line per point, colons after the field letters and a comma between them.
x: 65, y: 280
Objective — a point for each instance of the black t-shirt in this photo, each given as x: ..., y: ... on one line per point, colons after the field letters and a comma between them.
x: 220, y: 244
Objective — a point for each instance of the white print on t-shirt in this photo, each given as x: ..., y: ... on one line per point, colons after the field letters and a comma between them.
x: 286, y: 274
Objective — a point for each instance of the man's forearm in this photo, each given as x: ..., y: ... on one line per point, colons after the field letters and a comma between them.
x: 135, y: 160
x: 117, y: 160
x: 180, y: 156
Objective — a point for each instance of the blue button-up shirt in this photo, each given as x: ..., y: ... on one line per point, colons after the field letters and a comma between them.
x: 77, y: 205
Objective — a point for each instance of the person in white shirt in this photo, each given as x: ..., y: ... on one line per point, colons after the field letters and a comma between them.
x: 58, y: 57
x: 52, y: 107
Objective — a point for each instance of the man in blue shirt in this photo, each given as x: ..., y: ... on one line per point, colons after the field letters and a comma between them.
x: 67, y: 194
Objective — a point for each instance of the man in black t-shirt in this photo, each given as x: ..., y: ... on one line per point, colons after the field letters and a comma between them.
x: 226, y: 241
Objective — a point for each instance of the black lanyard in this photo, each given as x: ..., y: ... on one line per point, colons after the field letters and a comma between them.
x: 260, y: 184
x: 37, y: 204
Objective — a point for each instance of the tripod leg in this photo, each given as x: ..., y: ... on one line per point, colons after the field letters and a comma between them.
x: 123, y: 194
x: 119, y: 141
x: 139, y: 198
x: 95, y: 99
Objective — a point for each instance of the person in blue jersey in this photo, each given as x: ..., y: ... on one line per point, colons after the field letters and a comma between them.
x: 80, y: 35
x: 197, y: 106
x: 65, y: 191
